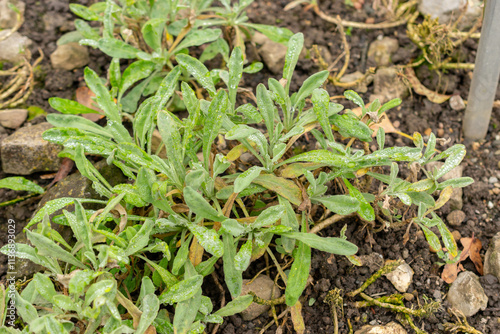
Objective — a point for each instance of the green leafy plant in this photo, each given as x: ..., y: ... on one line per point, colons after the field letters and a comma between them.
x: 153, y: 33
x: 191, y: 203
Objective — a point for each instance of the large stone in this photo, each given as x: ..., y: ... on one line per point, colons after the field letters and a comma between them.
x: 25, y: 151
x: 381, y: 50
x: 492, y: 257
x: 8, y: 17
x: 272, y: 53
x: 390, y: 328
x: 450, y: 10
x: 467, y: 295
x: 69, y: 56
x: 13, y: 118
x: 12, y: 49
x: 388, y: 85
x: 401, y: 277
x: 264, y: 288
x: 456, y: 201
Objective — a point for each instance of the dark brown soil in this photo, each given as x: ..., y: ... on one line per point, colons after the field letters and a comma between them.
x: 416, y: 114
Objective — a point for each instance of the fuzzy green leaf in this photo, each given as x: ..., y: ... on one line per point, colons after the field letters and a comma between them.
x: 340, y: 204
x: 117, y: 49
x: 200, y: 206
x: 297, y: 279
x: 69, y: 107
x: 20, y: 184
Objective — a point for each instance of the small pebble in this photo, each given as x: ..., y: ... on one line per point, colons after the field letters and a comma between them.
x: 497, y: 152
x: 496, y: 191
x: 455, y: 218
x: 491, y: 205
x: 456, y: 235
x: 492, y: 180
x: 440, y: 133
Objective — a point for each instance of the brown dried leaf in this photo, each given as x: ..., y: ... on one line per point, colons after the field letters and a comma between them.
x: 450, y: 272
x: 196, y: 252
x: 422, y: 90
x: 474, y: 246
x: 384, y: 123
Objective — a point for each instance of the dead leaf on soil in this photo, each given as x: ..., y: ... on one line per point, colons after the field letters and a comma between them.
x: 422, y: 90
x: 84, y: 96
x: 472, y: 247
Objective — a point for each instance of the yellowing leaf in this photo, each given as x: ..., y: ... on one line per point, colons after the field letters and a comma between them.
x: 196, y: 252
x: 297, y: 319
x: 281, y: 186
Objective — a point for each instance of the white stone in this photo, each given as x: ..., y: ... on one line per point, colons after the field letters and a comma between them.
x: 12, y: 49
x: 401, y: 277
x: 390, y: 328
x: 8, y: 17
x: 467, y: 295
x: 449, y: 10
x: 13, y: 118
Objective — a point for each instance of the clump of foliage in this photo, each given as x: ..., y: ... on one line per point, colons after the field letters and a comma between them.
x: 140, y: 262
x: 153, y: 33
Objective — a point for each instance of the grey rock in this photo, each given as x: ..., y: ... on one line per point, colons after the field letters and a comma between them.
x: 457, y: 103
x: 388, y: 85
x: 8, y: 17
x: 264, y: 288
x: 390, y: 328
x: 361, y: 87
x: 456, y: 202
x: 449, y: 10
x: 381, y: 50
x: 272, y: 53
x: 69, y: 56
x: 492, y: 257
x: 467, y: 295
x: 13, y: 118
x: 456, y: 217
x: 25, y: 151
x: 401, y: 277
x: 12, y: 49
x: 493, y: 179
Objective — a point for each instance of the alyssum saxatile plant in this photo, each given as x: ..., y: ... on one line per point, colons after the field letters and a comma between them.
x: 153, y: 33
x: 140, y: 261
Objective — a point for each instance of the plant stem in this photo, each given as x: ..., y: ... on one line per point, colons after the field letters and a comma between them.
x: 387, y: 268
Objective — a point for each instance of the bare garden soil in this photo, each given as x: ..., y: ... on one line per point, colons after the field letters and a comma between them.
x: 47, y: 20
